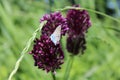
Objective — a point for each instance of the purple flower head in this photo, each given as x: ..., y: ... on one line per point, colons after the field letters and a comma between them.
x: 76, y: 44
x: 46, y: 54
x: 53, y: 21
x: 78, y: 23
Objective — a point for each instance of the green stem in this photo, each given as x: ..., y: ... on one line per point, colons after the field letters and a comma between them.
x: 53, y: 75
x: 94, y: 11
x: 25, y: 50
x: 68, y: 68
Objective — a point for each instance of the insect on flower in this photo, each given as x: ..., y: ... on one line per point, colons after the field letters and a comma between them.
x: 55, y: 37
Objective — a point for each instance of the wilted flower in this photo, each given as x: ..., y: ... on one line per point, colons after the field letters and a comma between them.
x: 46, y: 54
x: 76, y: 44
x: 78, y: 23
x: 53, y: 21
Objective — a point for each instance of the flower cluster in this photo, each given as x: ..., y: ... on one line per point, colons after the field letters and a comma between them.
x: 47, y: 56
x: 77, y: 43
x: 78, y: 23
x: 53, y: 21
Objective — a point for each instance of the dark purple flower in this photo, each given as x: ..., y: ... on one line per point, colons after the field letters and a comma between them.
x: 76, y: 44
x: 46, y: 54
x: 78, y: 23
x: 53, y: 21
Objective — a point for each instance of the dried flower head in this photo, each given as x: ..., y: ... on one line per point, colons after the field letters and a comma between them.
x: 76, y: 44
x: 53, y: 21
x: 46, y: 54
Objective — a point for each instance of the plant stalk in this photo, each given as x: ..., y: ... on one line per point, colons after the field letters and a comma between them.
x: 68, y: 68
x: 53, y: 75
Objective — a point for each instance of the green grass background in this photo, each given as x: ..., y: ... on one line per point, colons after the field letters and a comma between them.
x: 19, y: 19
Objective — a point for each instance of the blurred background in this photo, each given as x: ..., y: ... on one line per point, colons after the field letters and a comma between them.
x: 19, y: 19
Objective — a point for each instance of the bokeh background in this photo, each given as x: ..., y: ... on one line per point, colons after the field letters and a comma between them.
x: 101, y: 60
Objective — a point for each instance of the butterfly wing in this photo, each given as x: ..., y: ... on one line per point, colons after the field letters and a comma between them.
x: 55, y: 37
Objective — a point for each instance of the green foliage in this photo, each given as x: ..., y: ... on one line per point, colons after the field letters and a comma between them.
x: 20, y: 18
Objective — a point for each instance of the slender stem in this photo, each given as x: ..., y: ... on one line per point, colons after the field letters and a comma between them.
x: 53, y: 75
x: 94, y: 11
x: 68, y: 68
x: 24, y: 51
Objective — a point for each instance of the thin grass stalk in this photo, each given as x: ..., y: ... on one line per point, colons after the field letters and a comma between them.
x: 25, y: 50
x: 91, y: 10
